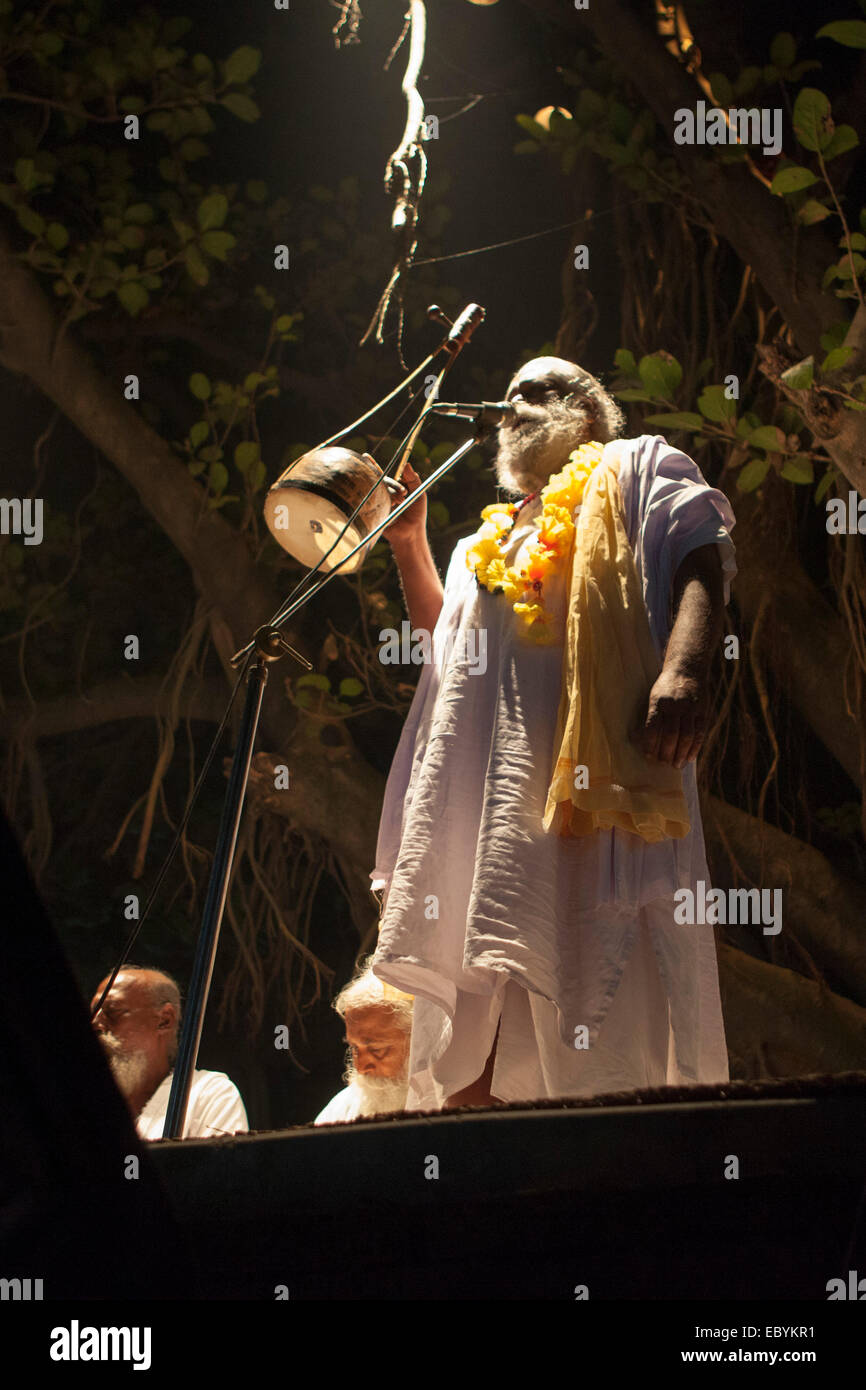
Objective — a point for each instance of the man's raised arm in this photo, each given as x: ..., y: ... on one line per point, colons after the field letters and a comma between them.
x: 422, y: 587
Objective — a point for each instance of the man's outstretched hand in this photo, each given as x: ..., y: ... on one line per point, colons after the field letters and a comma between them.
x: 676, y: 720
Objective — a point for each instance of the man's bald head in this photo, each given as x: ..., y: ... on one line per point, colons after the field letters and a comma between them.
x: 559, y: 406
x: 138, y: 1025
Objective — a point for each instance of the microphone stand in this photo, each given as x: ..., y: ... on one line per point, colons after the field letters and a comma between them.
x: 267, y: 646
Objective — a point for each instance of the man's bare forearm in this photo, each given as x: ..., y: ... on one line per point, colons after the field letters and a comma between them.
x: 699, y: 613
x: 676, y: 719
x: 422, y: 587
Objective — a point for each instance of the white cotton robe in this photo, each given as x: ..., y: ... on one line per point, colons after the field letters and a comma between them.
x: 568, y: 945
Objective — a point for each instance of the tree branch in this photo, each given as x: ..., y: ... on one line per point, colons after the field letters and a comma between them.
x: 31, y: 345
x: 107, y: 702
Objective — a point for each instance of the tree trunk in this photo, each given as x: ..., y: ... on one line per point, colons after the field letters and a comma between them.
x: 809, y: 646
x: 779, y: 1024
x: 821, y: 909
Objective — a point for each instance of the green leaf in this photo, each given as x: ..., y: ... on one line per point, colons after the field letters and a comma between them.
x: 813, y: 124
x: 747, y: 81
x: 825, y: 484
x: 632, y: 394
x: 811, y: 212
x: 799, y: 469
x: 752, y: 474
x: 48, y: 44
x: 679, y: 420
x: 844, y: 138
x: 313, y: 679
x: 241, y: 65
x: 715, y: 405
x: 835, y: 336
x: 133, y: 296
x: 529, y: 147
x: 767, y: 437
x: 25, y: 173
x: 836, y: 359
x: 625, y: 361
x: 800, y: 376
x: 170, y: 169
x: 858, y: 241
x: 257, y: 190
x: 845, y: 270
x: 218, y: 477
x: 246, y: 454
x: 850, y: 32
x: 257, y: 475
x: 139, y: 213
x: 350, y: 686
x: 196, y: 267
x: 217, y: 244
x: 532, y: 127
x: 200, y: 386
x: 792, y: 179
x: 242, y: 107
x: 199, y: 432
x: 723, y: 91
x: 783, y: 51
x: 192, y: 148
x: 661, y: 374
x: 212, y: 211
x: 56, y: 235
x: 285, y: 323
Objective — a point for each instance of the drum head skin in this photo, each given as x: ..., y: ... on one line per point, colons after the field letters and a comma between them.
x: 307, y: 525
x: 310, y: 504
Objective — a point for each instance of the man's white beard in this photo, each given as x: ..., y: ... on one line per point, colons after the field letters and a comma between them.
x: 128, y: 1068
x: 379, y: 1094
x: 530, y: 453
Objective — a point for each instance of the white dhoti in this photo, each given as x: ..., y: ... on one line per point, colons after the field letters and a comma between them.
x: 634, y: 1048
x: 492, y: 923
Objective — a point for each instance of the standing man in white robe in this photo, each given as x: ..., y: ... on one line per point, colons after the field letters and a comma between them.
x: 544, y: 966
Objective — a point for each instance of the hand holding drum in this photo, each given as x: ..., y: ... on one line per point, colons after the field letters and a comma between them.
x: 412, y: 524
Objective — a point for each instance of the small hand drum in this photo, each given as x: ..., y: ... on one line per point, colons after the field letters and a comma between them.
x: 310, y: 503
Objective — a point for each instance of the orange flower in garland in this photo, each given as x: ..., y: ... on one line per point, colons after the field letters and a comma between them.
x: 552, y: 543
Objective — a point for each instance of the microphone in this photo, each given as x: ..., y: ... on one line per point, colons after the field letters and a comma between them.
x: 463, y: 327
x: 485, y: 412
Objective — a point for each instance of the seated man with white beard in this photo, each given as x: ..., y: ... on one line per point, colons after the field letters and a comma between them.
x: 378, y: 1022
x: 138, y: 1026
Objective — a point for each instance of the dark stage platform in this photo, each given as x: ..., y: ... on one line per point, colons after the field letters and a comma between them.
x: 632, y: 1196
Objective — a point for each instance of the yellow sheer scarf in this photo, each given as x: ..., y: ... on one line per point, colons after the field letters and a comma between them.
x: 609, y: 667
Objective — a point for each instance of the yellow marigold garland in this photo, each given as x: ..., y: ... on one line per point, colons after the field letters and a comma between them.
x: 525, y: 588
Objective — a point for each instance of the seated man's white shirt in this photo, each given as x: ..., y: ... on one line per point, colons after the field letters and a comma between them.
x: 215, y: 1108
x: 479, y: 899
x: 345, y: 1105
